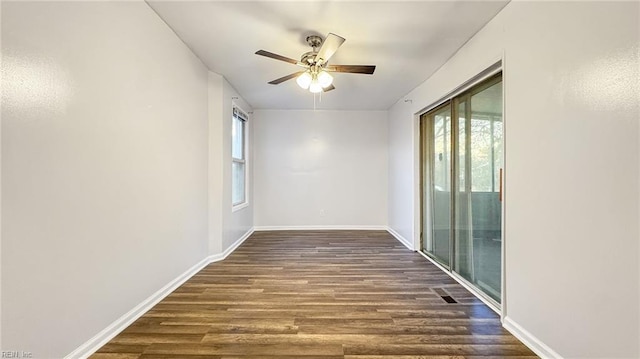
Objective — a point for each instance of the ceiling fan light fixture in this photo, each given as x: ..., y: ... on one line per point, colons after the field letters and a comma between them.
x: 304, y: 80
x: 315, y: 87
x: 325, y: 79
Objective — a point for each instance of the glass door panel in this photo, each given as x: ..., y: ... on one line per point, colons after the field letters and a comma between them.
x: 478, y: 205
x: 441, y: 189
x: 436, y: 149
x: 462, y: 204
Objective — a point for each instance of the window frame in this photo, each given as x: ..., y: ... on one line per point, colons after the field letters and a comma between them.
x: 238, y: 113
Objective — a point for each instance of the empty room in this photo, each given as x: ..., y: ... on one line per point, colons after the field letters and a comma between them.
x: 320, y: 179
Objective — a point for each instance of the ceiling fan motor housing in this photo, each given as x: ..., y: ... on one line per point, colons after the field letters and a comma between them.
x: 314, y: 41
x: 309, y: 58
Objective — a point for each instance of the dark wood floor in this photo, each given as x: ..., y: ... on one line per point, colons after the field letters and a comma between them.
x: 318, y: 294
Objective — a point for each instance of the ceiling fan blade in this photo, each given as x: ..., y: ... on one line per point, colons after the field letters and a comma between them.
x: 285, y: 78
x: 276, y: 56
x: 329, y: 47
x: 329, y: 88
x: 352, y: 69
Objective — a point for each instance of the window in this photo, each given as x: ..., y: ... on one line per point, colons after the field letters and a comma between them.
x: 239, y: 158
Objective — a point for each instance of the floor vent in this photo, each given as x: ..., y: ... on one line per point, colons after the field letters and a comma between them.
x: 444, y: 295
x: 448, y: 299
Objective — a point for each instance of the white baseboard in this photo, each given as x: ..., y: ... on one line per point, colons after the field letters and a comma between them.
x: 320, y: 228
x: 108, y: 333
x: 400, y: 238
x: 233, y: 247
x: 535, y: 344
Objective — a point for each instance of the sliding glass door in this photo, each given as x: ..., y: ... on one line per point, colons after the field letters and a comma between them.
x: 462, y: 164
x: 437, y: 170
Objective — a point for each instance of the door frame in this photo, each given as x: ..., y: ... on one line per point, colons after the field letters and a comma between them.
x: 483, y: 76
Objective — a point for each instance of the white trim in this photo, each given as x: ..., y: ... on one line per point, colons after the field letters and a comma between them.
x: 108, y: 333
x: 463, y: 283
x: 233, y: 247
x: 484, y: 74
x: 503, y: 205
x: 417, y: 201
x: 320, y: 228
x: 245, y: 152
x: 400, y: 238
x: 239, y: 206
x: 530, y: 340
x: 103, y: 337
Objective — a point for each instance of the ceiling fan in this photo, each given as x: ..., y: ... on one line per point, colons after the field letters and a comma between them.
x: 316, y: 77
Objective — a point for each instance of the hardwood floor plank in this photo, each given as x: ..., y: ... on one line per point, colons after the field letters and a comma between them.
x: 115, y: 348
x: 115, y: 356
x: 348, y: 339
x: 288, y: 349
x: 150, y: 338
x: 435, y: 349
x: 318, y: 294
x: 159, y: 328
x: 386, y: 330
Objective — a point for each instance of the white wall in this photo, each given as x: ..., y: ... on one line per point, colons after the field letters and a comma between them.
x: 104, y: 167
x: 216, y: 162
x: 572, y: 168
x: 401, y: 172
x: 320, y: 168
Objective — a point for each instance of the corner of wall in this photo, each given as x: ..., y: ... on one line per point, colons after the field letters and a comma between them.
x: 226, y: 227
x: 530, y: 340
x: 402, y: 170
x: 215, y: 162
x: 407, y: 243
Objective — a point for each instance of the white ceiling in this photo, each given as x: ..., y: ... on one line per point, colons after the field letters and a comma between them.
x: 407, y: 41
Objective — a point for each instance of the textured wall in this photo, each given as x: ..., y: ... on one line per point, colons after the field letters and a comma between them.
x: 320, y: 168
x: 104, y: 167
